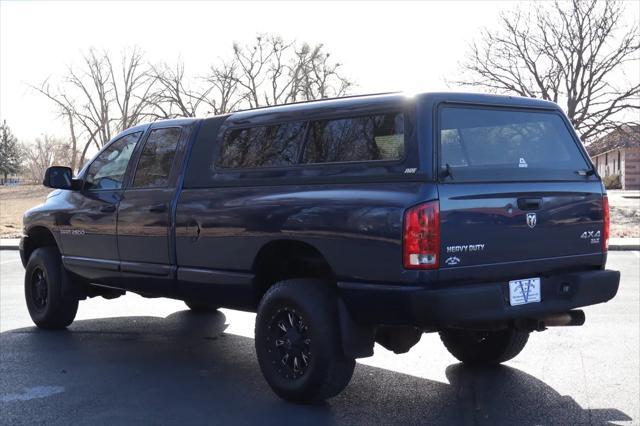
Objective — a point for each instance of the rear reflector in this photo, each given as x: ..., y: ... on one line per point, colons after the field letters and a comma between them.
x: 605, y: 223
x: 421, y: 240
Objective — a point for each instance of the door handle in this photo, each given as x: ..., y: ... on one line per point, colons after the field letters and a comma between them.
x: 158, y: 208
x: 110, y: 208
x: 193, y: 230
x: 529, y: 203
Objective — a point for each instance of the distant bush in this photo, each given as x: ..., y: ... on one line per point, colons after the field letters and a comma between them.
x: 612, y: 182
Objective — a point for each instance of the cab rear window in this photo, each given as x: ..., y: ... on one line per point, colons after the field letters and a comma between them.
x: 490, y: 144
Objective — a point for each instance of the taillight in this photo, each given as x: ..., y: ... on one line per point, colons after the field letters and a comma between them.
x: 421, y: 241
x: 605, y: 223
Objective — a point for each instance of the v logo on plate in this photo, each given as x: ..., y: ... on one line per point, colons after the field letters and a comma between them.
x: 525, y: 295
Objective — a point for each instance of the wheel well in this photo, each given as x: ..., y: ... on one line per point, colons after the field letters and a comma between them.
x: 39, y: 236
x: 286, y: 259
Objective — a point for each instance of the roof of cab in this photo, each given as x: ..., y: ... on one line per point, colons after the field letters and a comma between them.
x: 353, y: 104
x: 142, y: 127
x: 182, y: 121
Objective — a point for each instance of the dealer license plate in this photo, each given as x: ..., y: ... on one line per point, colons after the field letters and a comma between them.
x: 524, y: 291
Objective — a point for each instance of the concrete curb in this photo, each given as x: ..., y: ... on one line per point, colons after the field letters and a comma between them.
x: 616, y: 244
x: 9, y: 243
x: 624, y: 248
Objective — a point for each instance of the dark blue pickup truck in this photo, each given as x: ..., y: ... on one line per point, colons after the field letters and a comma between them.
x: 342, y: 223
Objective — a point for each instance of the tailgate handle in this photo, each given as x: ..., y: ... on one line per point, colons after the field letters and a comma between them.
x: 529, y: 203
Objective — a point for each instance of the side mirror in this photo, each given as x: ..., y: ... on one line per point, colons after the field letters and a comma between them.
x: 58, y: 177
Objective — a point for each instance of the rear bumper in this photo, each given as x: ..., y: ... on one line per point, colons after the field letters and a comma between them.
x: 464, y: 305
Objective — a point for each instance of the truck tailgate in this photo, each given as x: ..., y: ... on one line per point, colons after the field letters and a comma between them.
x: 505, y: 222
x: 515, y: 187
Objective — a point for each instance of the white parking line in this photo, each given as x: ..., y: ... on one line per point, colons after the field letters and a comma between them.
x: 32, y: 393
x: 5, y: 262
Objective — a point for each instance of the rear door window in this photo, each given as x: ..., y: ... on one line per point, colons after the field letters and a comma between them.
x: 507, y: 144
x: 370, y: 138
x: 156, y: 159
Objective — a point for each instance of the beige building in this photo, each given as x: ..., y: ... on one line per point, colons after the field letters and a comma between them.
x: 618, y: 153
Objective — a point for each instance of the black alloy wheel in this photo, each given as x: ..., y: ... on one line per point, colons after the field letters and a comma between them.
x: 39, y: 290
x: 298, y: 341
x: 44, y: 281
x: 291, y: 345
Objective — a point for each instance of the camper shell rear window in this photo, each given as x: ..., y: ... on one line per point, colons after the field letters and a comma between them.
x: 507, y: 144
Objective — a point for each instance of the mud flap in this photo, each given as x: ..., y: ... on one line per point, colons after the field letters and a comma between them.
x: 69, y: 288
x: 357, y: 340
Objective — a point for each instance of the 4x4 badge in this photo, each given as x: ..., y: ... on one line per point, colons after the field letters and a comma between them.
x: 590, y: 234
x: 532, y: 220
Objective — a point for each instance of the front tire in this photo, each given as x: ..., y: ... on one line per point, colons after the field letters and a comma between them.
x: 298, y: 341
x: 484, y: 348
x: 43, y: 291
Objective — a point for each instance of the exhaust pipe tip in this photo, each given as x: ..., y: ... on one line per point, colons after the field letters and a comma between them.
x: 562, y: 319
x: 570, y: 318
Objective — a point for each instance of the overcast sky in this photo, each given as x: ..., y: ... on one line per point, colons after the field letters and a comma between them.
x: 384, y: 46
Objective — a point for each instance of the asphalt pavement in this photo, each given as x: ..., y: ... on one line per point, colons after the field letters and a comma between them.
x: 150, y: 361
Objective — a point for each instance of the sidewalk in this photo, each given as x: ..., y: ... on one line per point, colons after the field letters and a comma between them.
x: 614, y: 244
x: 629, y: 193
x: 9, y: 243
x: 624, y: 243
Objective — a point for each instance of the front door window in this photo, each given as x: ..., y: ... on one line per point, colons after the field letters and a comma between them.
x: 108, y: 169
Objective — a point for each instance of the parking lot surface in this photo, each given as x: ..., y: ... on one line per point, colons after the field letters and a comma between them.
x: 150, y: 361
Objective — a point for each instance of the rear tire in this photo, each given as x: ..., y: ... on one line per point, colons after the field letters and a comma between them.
x: 484, y: 347
x: 43, y: 290
x: 298, y: 341
x: 200, y: 307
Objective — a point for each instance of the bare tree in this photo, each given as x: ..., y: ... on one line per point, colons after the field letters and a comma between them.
x: 112, y: 99
x: 101, y: 97
x: 179, y: 96
x: 268, y: 71
x: 319, y: 77
x: 43, y: 153
x: 174, y: 96
x: 574, y: 53
x: 66, y: 110
x: 224, y: 95
x: 272, y: 71
x: 92, y: 83
x: 132, y: 86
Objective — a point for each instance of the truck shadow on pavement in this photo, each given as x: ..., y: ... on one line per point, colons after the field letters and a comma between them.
x: 184, y: 369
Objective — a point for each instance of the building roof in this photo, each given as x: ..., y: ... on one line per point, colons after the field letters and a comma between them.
x: 627, y: 136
